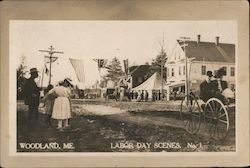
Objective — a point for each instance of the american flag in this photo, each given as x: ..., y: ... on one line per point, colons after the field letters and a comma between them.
x: 46, y: 70
x: 47, y: 59
x: 78, y: 67
x: 101, y: 63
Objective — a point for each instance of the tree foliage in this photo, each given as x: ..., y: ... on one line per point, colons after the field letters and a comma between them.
x: 21, y: 71
x: 22, y: 68
x: 114, y: 70
x: 160, y: 60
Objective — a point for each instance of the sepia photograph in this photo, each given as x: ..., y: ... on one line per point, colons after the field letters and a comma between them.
x: 129, y: 83
x: 124, y: 86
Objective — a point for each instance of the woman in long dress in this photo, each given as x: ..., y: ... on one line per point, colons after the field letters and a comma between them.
x: 61, y: 109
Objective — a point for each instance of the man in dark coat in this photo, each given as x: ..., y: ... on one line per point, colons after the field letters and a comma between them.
x: 207, y: 87
x: 220, y: 85
x: 32, y: 94
x: 146, y: 95
x: 142, y: 95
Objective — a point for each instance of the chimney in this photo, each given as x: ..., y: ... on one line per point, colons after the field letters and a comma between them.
x: 217, y: 40
x: 198, y: 39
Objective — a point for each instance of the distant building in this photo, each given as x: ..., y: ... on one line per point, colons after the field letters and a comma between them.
x: 202, y: 57
x: 137, y: 75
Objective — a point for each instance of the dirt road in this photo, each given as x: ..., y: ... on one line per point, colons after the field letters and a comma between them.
x: 100, y: 128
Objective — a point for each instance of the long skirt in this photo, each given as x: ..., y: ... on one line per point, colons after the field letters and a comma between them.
x: 61, y: 109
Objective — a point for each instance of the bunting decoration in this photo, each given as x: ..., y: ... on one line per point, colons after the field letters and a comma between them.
x: 79, y: 68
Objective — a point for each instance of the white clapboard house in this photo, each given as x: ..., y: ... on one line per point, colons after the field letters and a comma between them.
x: 202, y: 57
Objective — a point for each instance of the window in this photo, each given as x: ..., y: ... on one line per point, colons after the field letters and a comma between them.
x: 179, y: 70
x: 172, y: 71
x: 232, y: 71
x: 203, y: 70
x: 184, y: 70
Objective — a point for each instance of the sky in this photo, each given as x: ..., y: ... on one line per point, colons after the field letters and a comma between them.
x: 137, y: 41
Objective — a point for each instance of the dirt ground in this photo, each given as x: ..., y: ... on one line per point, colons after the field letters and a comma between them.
x: 95, y: 128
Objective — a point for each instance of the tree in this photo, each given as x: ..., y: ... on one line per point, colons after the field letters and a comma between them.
x: 160, y: 60
x: 114, y: 70
x: 21, y: 71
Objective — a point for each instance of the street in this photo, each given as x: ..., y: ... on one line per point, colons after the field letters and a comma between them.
x: 101, y: 128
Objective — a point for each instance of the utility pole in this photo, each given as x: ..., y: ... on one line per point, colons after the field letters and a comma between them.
x: 51, y: 51
x: 162, y: 53
x: 184, y: 39
x: 162, y: 62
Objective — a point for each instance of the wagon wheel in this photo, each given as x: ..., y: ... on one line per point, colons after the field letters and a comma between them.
x: 190, y: 114
x: 216, y: 118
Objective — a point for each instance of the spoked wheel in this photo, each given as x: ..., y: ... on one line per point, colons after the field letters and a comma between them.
x: 190, y: 114
x: 216, y: 118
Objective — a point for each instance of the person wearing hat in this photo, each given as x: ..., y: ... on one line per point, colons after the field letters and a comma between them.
x: 62, y: 108
x: 32, y: 93
x: 207, y: 87
x: 220, y: 85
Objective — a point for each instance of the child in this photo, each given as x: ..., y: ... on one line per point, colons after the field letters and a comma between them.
x: 49, y: 103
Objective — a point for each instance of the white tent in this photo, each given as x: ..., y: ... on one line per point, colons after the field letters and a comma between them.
x: 152, y: 83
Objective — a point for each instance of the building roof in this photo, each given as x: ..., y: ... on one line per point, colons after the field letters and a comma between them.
x: 140, y: 70
x: 209, y: 51
x: 132, y: 68
x: 152, y: 83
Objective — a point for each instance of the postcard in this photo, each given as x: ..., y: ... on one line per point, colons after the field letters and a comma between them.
x: 85, y: 89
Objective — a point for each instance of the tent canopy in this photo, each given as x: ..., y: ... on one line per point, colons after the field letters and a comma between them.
x: 152, y: 83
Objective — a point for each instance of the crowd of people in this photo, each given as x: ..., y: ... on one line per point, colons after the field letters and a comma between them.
x: 123, y: 93
x: 126, y: 94
x: 56, y: 101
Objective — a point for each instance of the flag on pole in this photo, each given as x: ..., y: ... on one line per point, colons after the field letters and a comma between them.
x: 46, y: 70
x: 101, y: 63
x: 47, y: 59
x: 78, y: 67
x: 126, y: 66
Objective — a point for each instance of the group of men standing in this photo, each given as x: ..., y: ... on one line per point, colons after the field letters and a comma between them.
x: 122, y: 93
